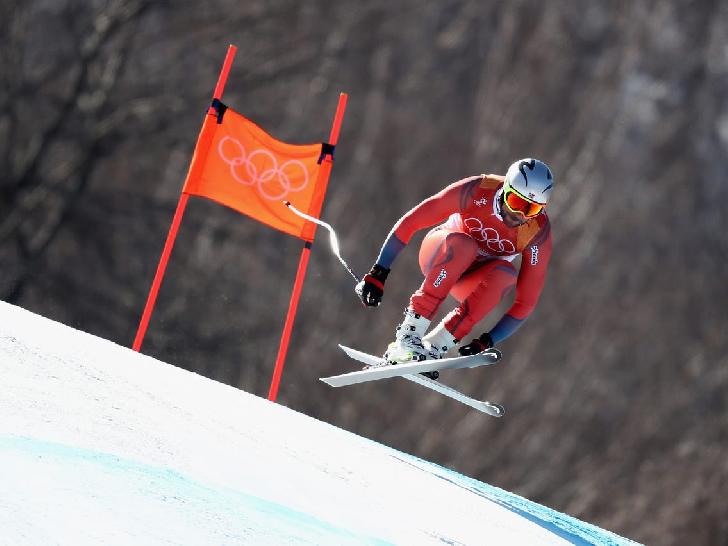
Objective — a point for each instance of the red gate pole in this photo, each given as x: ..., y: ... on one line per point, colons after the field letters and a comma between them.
x: 302, y: 266
x: 177, y: 220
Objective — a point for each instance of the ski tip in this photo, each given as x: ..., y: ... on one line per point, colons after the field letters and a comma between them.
x: 327, y: 380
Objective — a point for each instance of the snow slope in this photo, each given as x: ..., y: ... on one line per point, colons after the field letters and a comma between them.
x: 101, y: 445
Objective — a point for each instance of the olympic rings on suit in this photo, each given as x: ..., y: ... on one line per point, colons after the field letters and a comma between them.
x: 489, y: 236
x: 283, y: 174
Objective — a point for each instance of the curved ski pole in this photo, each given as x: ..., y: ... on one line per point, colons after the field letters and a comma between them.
x: 333, y: 240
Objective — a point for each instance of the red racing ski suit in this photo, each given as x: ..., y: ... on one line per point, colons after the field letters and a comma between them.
x: 469, y: 255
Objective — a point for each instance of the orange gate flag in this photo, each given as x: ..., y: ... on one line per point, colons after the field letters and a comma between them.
x: 239, y: 165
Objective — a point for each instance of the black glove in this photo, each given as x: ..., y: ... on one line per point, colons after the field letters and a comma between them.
x: 478, y: 345
x: 371, y: 288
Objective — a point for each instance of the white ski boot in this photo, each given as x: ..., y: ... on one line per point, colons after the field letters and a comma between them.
x: 439, y: 341
x: 407, y: 345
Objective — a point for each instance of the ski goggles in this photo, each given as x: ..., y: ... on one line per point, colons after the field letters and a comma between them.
x: 520, y: 205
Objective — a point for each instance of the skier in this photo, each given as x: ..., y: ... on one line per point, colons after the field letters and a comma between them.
x: 489, y: 220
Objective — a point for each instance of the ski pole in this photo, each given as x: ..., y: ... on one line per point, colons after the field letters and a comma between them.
x: 333, y: 240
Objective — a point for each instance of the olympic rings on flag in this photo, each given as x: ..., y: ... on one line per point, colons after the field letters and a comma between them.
x: 285, y: 175
x: 489, y: 236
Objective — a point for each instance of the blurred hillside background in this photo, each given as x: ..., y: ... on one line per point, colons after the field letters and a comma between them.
x: 617, y: 387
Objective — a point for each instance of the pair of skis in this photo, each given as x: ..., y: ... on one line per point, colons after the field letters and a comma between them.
x: 412, y: 370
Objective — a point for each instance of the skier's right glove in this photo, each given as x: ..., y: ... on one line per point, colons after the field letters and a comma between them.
x: 371, y: 288
x: 478, y: 345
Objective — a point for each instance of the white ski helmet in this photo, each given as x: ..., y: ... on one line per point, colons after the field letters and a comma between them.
x: 531, y: 178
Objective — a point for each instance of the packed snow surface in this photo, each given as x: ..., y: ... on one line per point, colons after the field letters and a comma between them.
x: 101, y: 445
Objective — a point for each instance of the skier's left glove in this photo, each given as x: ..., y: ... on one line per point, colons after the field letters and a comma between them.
x: 478, y: 345
x: 371, y: 288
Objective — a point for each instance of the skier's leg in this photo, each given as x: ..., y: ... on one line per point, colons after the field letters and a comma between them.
x: 479, y: 291
x: 444, y: 256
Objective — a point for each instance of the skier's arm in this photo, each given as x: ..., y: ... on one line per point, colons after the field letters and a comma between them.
x: 429, y: 212
x: 531, y: 278
x: 432, y: 211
